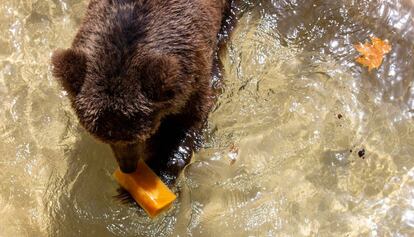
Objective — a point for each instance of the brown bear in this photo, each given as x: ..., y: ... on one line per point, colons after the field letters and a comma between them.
x: 138, y: 75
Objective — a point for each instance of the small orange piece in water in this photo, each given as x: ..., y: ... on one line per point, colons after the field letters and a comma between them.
x: 372, y: 53
x: 146, y: 188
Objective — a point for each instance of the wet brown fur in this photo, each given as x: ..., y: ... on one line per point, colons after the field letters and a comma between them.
x: 138, y: 74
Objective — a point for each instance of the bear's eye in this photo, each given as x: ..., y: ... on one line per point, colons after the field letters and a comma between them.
x: 158, y: 95
x: 169, y: 94
x: 159, y: 77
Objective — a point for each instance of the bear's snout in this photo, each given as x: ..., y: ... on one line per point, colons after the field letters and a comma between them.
x: 127, y: 155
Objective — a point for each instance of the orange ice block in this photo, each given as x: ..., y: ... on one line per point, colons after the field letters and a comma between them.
x: 147, y: 189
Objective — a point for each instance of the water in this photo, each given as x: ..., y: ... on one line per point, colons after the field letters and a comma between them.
x: 283, y: 145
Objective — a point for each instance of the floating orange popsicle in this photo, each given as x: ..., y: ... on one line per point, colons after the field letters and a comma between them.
x: 373, y: 53
x: 147, y: 189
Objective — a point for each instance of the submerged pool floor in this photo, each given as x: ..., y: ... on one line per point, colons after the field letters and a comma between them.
x: 303, y: 140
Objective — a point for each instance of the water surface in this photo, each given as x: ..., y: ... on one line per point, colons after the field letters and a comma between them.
x: 302, y: 142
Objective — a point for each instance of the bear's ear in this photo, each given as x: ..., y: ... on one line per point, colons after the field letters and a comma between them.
x: 160, y: 77
x: 69, y: 67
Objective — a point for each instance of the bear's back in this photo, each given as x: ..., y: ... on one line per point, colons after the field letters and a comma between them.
x: 174, y: 26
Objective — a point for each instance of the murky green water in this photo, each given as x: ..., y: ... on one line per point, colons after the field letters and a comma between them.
x: 281, y: 154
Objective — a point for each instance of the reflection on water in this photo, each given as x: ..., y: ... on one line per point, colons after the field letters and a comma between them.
x: 283, y: 153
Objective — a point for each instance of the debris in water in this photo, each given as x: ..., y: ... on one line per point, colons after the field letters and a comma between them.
x: 361, y: 153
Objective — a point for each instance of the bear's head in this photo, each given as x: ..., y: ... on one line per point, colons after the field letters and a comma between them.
x: 120, y: 97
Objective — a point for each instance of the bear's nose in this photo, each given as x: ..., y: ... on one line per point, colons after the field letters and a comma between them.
x: 127, y: 168
x: 127, y: 156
